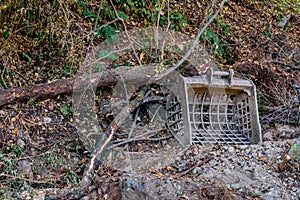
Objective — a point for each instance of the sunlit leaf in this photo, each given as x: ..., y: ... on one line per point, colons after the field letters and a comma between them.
x: 65, y: 109
x: 82, y: 3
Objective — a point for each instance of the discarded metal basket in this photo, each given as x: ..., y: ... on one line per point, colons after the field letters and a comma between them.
x: 214, y: 108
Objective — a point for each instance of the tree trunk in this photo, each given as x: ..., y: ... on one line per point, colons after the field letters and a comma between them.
x: 66, y: 86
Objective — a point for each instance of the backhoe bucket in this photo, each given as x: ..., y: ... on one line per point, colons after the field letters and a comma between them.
x: 214, y: 108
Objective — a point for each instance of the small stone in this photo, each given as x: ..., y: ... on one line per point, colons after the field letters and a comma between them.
x: 2, y: 113
x: 247, y: 151
x: 47, y: 120
x: 188, y: 152
x: 231, y: 150
x: 24, y: 168
x: 21, y: 143
x: 235, y: 186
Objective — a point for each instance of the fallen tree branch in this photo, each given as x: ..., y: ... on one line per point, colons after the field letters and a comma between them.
x: 66, y: 86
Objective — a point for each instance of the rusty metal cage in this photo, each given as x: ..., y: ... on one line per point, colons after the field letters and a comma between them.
x: 214, y: 108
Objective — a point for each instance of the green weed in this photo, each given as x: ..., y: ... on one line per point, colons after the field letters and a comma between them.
x: 177, y: 21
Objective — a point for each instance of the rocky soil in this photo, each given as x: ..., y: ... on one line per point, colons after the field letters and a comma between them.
x: 265, y: 171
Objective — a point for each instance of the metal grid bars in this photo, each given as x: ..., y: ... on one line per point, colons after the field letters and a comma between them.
x: 214, y: 108
x: 174, y: 117
x: 219, y: 119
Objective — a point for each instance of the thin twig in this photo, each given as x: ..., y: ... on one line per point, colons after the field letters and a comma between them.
x: 93, y: 32
x: 125, y: 89
x: 126, y: 32
x: 199, y: 163
x: 24, y: 179
x: 147, y: 133
x: 140, y: 139
x: 167, y: 29
x: 154, y: 115
x: 159, y: 11
x: 134, y: 122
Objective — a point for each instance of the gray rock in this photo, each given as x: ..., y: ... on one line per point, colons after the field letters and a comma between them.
x: 268, y: 136
x: 235, y: 186
x: 21, y: 143
x: 231, y: 150
x: 272, y: 195
x: 47, y: 120
x: 24, y: 167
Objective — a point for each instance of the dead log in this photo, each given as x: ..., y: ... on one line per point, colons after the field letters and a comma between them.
x: 66, y: 86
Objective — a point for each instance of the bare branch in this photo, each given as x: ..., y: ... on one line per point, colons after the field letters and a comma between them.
x: 100, y: 150
x: 126, y: 32
x: 140, y: 139
x: 24, y: 179
x: 188, y: 53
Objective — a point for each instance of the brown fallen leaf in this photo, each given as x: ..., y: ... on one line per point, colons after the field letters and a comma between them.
x: 283, y: 163
x: 261, y: 158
